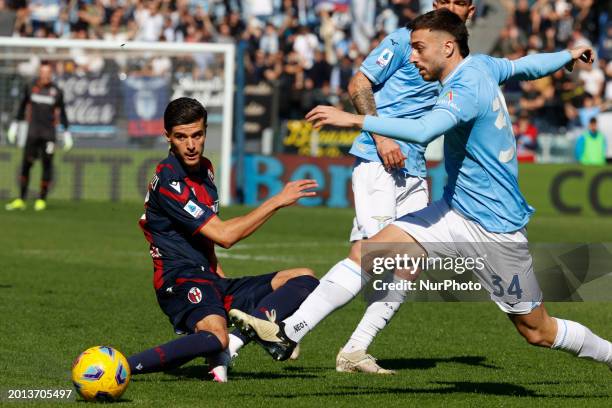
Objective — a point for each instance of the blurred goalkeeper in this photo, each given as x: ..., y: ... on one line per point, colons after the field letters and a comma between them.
x: 42, y: 106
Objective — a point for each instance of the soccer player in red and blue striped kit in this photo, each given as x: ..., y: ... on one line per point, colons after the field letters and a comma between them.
x: 182, y: 226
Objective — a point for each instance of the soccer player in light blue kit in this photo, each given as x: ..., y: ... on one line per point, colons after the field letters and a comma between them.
x: 388, y: 181
x: 482, y: 202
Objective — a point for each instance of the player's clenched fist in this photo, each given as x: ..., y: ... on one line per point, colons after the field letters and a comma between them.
x: 295, y: 190
x: 584, y: 53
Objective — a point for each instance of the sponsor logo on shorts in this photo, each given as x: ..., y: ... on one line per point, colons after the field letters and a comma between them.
x: 194, y: 295
x: 193, y: 209
x: 383, y: 220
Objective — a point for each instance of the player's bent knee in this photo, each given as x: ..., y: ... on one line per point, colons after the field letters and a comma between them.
x: 223, y: 338
x: 303, y: 272
x: 283, y: 276
x: 217, y: 326
x: 220, y: 334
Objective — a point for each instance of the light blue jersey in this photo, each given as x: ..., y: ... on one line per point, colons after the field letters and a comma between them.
x: 399, y: 92
x: 480, y: 151
x: 479, y: 146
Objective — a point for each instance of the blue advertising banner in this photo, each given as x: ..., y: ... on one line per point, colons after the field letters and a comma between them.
x: 265, y: 176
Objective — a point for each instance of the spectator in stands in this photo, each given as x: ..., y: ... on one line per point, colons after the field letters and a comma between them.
x: 44, y: 14
x: 608, y: 89
x: 532, y: 98
x: 305, y: 45
x: 268, y: 42
x: 279, y: 32
x: 526, y: 138
x: 589, y: 110
x: 605, y: 43
x: 149, y: 20
x: 320, y: 73
x: 593, y: 78
x: 591, y: 146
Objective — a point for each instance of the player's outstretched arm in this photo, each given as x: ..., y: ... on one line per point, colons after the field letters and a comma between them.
x: 360, y: 90
x: 227, y: 233
x: 422, y: 130
x: 540, y: 65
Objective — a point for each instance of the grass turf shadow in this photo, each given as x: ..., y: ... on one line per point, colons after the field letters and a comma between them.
x: 426, y: 363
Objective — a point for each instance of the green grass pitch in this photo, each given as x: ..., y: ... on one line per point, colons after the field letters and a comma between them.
x: 79, y: 275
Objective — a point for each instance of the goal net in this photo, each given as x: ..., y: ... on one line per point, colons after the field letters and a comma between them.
x: 115, y: 95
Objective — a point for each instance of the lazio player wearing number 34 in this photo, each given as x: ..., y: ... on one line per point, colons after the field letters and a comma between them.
x: 482, y: 209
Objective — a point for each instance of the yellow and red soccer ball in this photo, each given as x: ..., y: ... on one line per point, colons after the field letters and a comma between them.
x: 100, y: 373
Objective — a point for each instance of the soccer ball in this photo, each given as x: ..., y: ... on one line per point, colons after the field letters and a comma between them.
x: 100, y: 373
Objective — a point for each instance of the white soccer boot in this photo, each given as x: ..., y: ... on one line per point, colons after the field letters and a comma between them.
x: 359, y: 361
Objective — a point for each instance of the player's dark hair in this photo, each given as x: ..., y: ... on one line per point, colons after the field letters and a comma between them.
x: 447, y: 21
x: 183, y: 111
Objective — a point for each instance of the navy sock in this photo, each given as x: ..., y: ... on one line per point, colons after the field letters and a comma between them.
x: 286, y: 299
x: 175, y: 353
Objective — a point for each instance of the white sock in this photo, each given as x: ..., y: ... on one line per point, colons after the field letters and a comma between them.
x: 376, y: 317
x: 580, y: 341
x: 235, y: 344
x: 341, y: 284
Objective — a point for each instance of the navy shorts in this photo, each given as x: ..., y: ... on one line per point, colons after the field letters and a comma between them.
x: 190, y: 300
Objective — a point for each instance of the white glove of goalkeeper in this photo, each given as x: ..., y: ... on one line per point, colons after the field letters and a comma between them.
x: 68, y: 142
x: 11, y: 135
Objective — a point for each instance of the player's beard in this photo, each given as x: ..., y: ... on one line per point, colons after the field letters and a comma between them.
x: 434, y: 73
x: 426, y: 73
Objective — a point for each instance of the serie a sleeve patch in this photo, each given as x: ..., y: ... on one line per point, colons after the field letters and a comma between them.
x: 193, y: 209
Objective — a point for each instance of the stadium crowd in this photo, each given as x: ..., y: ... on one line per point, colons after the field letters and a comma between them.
x: 312, y: 48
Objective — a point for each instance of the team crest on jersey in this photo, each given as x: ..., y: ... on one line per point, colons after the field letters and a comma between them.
x: 384, y: 58
x: 193, y: 209
x: 194, y: 295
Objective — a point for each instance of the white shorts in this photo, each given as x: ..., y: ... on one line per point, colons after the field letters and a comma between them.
x: 381, y: 197
x: 507, y: 267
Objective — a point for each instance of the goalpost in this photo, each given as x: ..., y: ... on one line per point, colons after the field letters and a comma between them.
x: 115, y: 94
